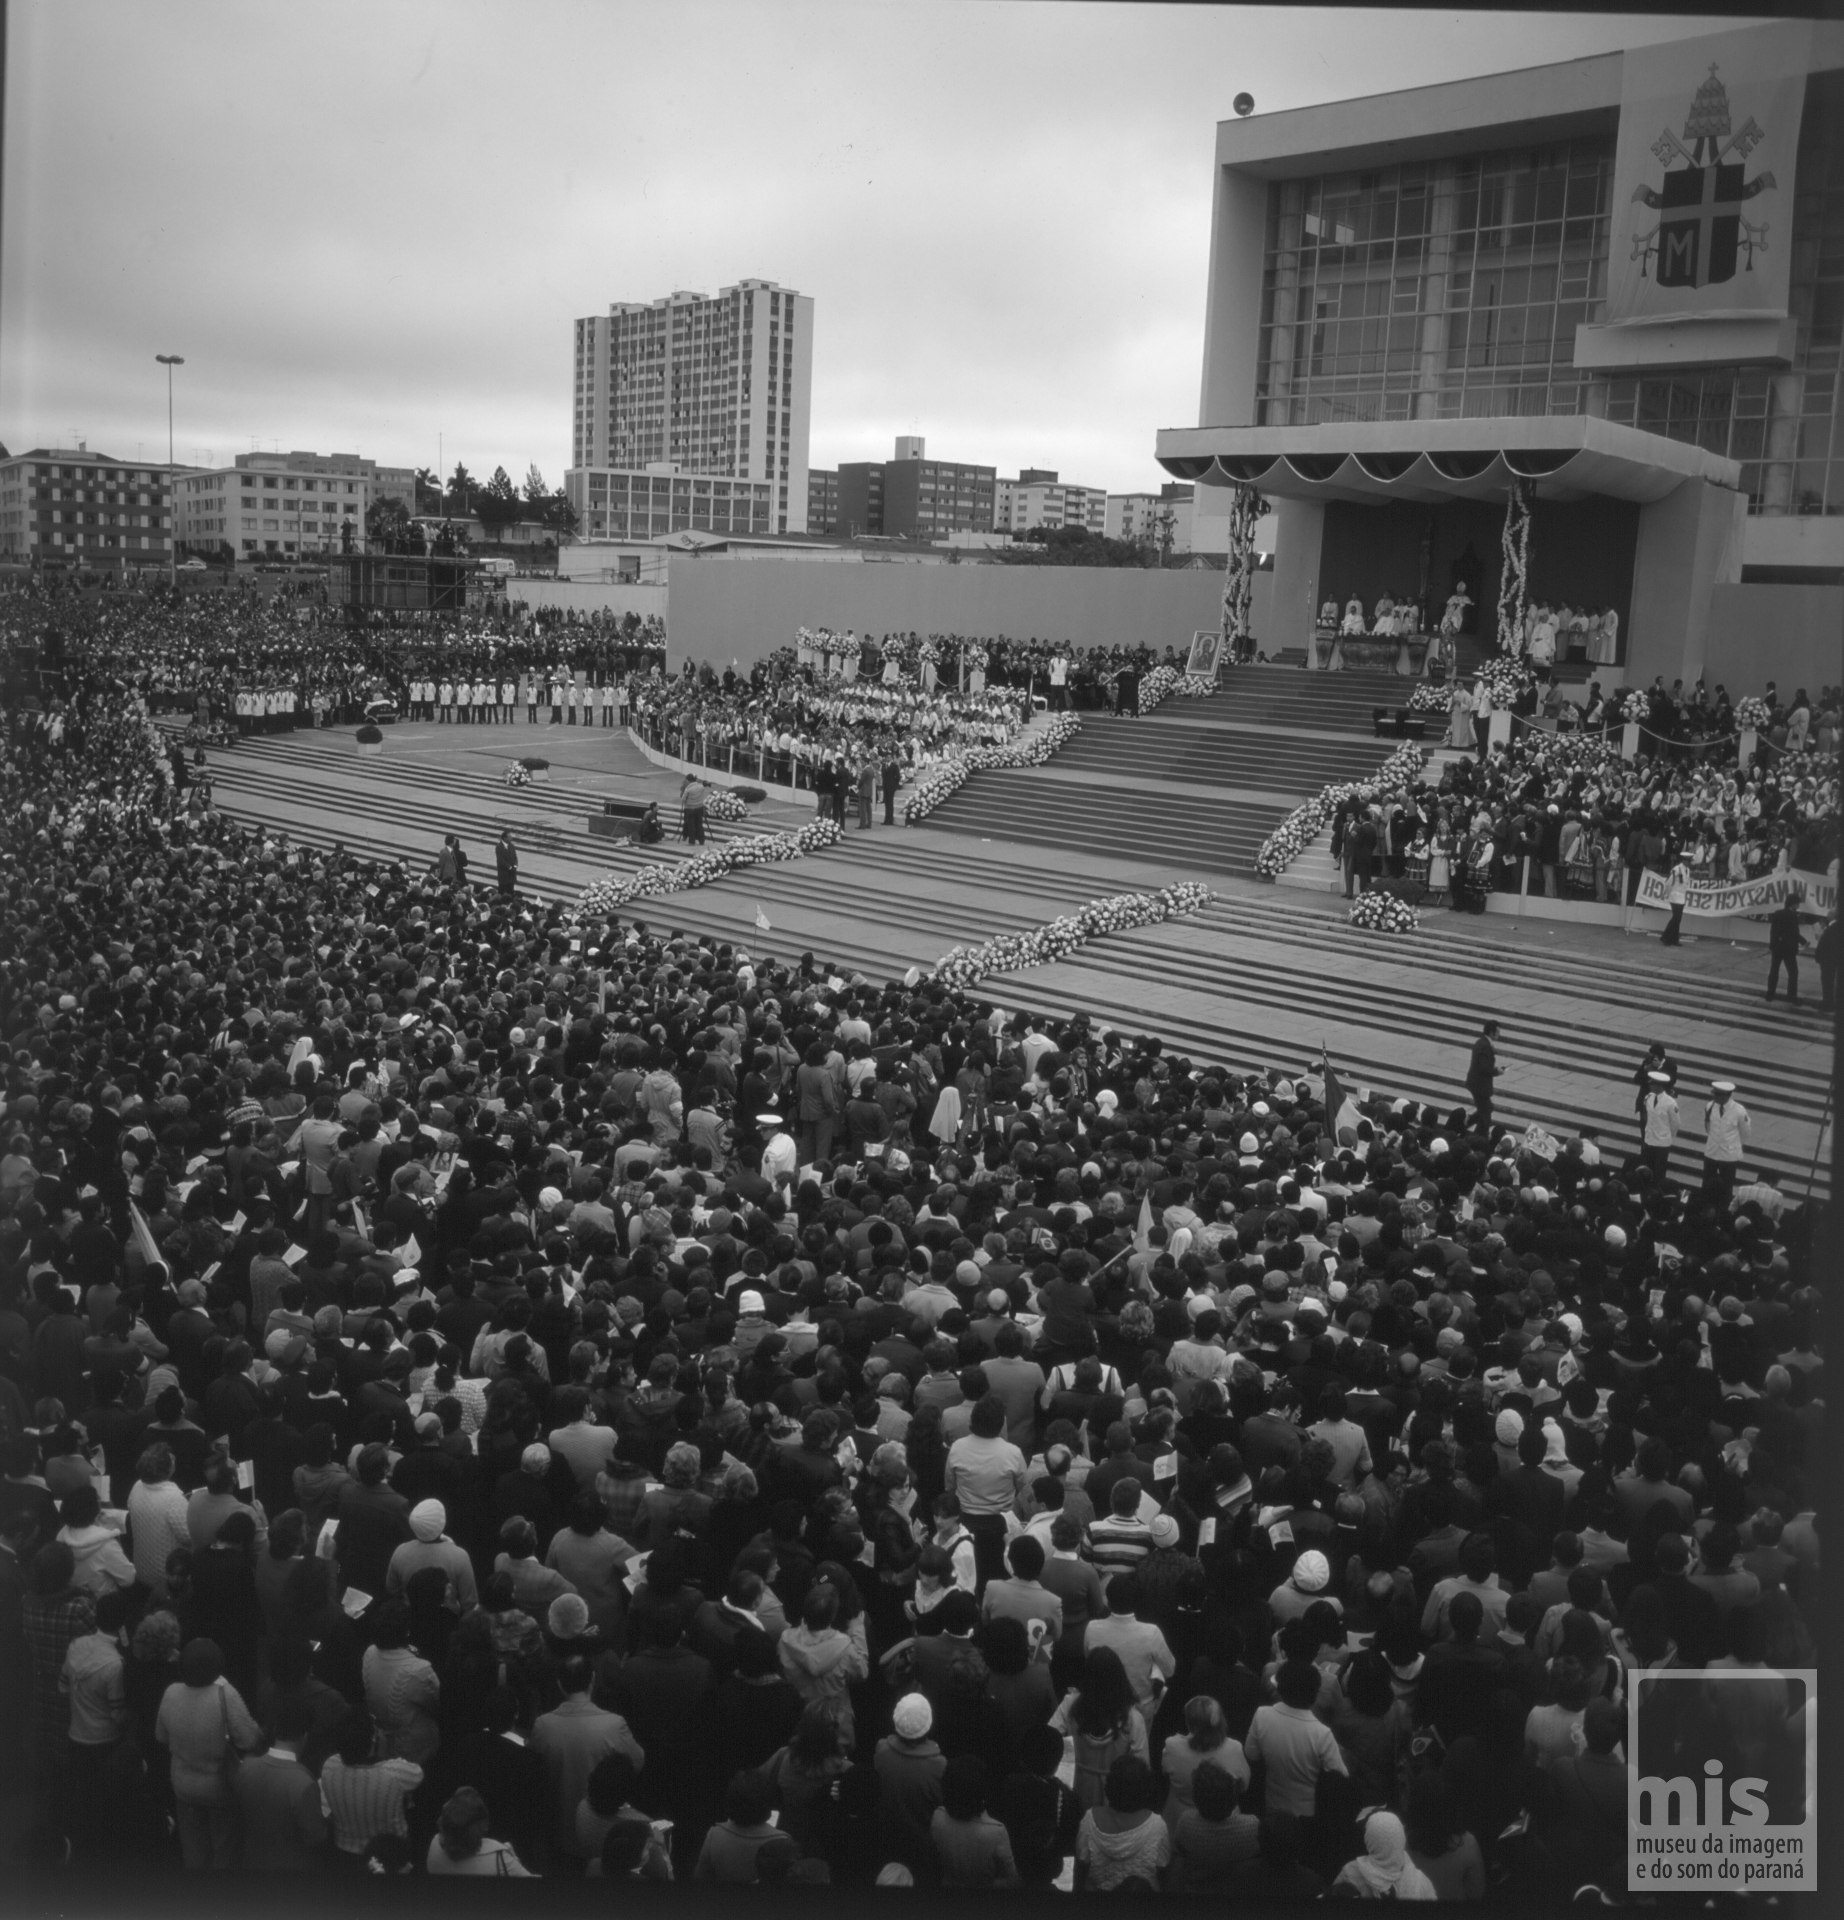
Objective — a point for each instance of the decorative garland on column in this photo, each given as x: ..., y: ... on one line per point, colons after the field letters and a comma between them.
x: 1239, y: 576
x: 1514, y: 567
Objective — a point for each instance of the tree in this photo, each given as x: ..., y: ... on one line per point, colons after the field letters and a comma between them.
x: 428, y: 490
x: 463, y: 491
x: 536, y: 494
x: 1074, y: 547
x: 559, y: 514
x: 497, y: 503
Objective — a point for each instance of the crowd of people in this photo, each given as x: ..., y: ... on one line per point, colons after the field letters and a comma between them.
x: 242, y: 660
x: 1086, y: 678
x: 1590, y: 823
x: 488, y: 1393
x: 793, y: 726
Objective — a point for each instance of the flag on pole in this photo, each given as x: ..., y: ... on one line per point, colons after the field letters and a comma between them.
x: 1336, y: 1099
x: 143, y: 1237
x: 762, y: 925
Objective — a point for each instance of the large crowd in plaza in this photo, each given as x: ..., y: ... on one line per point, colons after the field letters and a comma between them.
x: 486, y: 1392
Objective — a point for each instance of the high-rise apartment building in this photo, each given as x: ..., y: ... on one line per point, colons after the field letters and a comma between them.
x: 913, y: 497
x: 719, y: 386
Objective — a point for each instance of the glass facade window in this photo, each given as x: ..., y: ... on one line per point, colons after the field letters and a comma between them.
x: 1442, y: 290
x: 1452, y: 290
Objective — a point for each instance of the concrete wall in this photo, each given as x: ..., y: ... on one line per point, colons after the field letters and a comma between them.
x: 587, y: 596
x: 741, y: 610
x: 1232, y: 305
x: 1299, y: 537
x: 1689, y: 543
x: 1793, y: 636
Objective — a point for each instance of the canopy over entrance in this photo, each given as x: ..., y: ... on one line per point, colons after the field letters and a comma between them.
x: 1566, y: 457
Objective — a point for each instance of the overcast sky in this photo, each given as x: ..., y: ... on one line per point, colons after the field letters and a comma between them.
x: 367, y: 223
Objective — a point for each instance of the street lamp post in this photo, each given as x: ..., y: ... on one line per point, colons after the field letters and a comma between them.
x: 170, y: 361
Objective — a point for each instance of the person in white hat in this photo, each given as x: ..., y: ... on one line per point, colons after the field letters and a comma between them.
x: 780, y: 1154
x: 430, y: 1546
x: 1311, y: 1576
x: 1658, y: 1122
x: 1726, y: 1126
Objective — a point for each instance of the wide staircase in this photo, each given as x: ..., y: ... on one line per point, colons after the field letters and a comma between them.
x: 1259, y: 977
x: 1199, y: 783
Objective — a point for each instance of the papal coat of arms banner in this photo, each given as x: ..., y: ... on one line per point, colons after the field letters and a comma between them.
x: 1703, y: 177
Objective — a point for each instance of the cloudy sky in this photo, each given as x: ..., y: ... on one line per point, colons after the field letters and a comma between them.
x: 370, y: 223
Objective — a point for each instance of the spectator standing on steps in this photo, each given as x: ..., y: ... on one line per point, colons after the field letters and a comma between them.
x: 1677, y: 895
x: 867, y: 792
x: 1482, y: 1073
x: 506, y: 857
x: 1783, y: 943
x: 892, y: 779
x: 692, y: 795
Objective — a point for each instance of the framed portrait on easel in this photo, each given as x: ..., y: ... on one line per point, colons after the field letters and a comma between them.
x: 1206, y: 656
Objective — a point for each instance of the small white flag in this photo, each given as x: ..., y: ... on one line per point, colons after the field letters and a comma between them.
x: 762, y: 925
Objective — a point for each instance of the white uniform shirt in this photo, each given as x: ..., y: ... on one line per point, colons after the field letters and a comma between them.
x: 1725, y: 1130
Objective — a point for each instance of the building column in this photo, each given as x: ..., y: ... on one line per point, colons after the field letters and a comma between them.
x: 1689, y: 542
x: 1277, y: 402
x: 1785, y: 396
x: 1299, y: 535
x: 1431, y: 370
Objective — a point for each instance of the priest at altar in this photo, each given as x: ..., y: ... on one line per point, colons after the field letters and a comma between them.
x: 1354, y: 617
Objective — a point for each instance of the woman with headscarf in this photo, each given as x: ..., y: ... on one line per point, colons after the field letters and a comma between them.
x: 1384, y: 1871
x: 945, y: 1124
x: 205, y: 1727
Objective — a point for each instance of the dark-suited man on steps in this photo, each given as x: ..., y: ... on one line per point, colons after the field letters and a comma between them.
x: 1483, y: 1072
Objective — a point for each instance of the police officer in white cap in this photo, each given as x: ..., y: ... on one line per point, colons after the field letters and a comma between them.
x: 1725, y: 1138
x: 1658, y: 1122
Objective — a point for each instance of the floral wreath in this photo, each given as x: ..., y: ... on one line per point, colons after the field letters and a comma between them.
x: 1038, y: 946
x: 603, y: 897
x: 1383, y: 913
x: 1029, y: 750
x: 517, y: 775
x: 1303, y: 826
x: 1751, y: 711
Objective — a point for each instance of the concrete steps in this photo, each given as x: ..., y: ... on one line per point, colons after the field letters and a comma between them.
x: 1256, y: 979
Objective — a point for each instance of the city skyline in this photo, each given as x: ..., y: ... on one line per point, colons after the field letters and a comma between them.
x: 383, y: 257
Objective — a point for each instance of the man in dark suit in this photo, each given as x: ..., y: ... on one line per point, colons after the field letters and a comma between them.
x: 1483, y: 1072
x: 892, y: 779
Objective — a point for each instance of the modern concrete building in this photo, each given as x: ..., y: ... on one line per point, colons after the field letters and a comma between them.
x: 65, y: 507
x: 1140, y: 517
x: 1616, y: 283
x: 912, y: 497
x: 718, y: 386
x: 1038, y: 498
x: 276, y: 505
x: 620, y: 503
x: 822, y: 500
